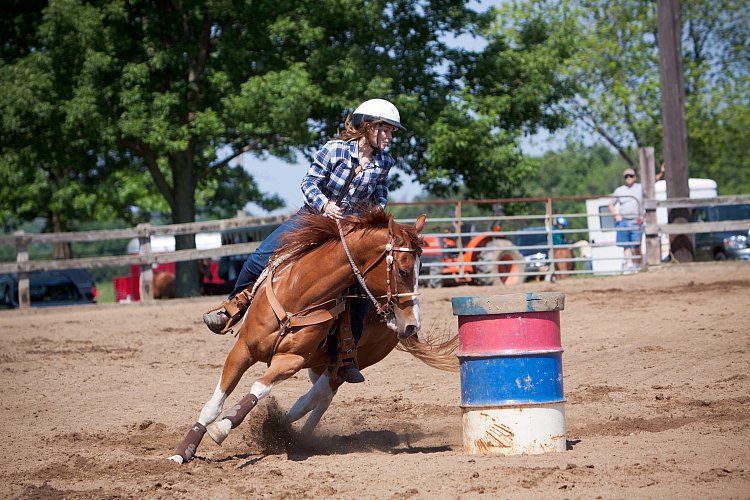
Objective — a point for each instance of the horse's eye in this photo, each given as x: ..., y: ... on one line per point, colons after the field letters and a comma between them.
x: 403, y: 273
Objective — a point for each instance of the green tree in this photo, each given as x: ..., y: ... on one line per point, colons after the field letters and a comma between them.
x: 117, y: 97
x: 577, y: 170
x: 616, y: 68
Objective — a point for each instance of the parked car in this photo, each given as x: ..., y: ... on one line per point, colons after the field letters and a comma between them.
x: 50, y: 288
x: 722, y: 245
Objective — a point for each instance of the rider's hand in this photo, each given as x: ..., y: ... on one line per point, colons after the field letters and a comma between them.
x: 618, y: 217
x: 332, y: 210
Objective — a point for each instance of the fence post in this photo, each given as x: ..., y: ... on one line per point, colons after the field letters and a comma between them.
x: 146, y: 282
x: 22, y: 256
x: 648, y: 177
x: 549, y: 226
x: 459, y: 241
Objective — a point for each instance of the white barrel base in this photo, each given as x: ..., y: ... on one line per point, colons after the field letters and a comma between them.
x: 514, y: 430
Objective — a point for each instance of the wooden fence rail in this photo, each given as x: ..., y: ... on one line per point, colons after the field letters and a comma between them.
x: 145, y: 258
x: 654, y: 230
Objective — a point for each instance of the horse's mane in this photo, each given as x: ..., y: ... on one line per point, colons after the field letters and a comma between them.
x: 316, y: 230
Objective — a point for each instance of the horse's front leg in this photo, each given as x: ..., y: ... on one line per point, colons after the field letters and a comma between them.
x: 236, y: 364
x: 282, y: 367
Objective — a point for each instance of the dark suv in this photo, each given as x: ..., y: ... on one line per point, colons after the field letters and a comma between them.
x: 50, y: 288
x: 724, y: 244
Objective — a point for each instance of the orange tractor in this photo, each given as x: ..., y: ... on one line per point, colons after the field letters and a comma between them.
x: 452, y: 259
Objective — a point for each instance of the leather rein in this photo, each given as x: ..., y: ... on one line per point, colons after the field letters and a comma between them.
x: 381, y: 309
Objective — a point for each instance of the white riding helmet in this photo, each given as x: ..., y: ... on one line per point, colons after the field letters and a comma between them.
x: 377, y: 110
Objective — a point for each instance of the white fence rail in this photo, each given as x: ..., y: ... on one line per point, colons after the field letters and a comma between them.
x: 481, y: 249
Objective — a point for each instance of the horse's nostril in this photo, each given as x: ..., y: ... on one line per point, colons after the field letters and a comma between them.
x: 410, y: 330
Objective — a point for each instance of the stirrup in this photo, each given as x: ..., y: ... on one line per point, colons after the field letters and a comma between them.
x: 231, y: 309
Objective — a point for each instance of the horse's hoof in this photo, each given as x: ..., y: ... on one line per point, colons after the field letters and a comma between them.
x: 219, y: 430
x: 177, y: 458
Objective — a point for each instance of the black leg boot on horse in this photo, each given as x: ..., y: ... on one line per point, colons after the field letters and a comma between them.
x: 221, y: 319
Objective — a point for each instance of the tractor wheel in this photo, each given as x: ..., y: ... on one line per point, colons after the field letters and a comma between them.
x: 429, y: 277
x: 434, y: 280
x: 496, y: 250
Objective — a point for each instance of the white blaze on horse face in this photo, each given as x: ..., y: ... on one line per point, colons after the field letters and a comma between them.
x: 415, y: 309
x: 406, y: 322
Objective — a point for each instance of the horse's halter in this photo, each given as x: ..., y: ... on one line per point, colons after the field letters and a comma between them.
x: 382, y: 309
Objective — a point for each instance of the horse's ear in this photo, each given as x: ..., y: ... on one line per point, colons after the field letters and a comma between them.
x: 419, y: 224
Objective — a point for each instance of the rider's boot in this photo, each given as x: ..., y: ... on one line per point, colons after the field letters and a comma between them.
x: 346, y: 357
x: 220, y: 319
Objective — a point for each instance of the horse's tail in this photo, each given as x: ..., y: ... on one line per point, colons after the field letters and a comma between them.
x: 434, y: 352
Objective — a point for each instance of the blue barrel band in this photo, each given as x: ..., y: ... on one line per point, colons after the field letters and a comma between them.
x: 508, y: 353
x: 508, y: 303
x: 511, y: 380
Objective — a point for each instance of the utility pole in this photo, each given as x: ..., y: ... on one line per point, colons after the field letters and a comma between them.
x: 674, y: 128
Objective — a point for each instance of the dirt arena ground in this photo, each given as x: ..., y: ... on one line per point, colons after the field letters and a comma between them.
x: 656, y: 378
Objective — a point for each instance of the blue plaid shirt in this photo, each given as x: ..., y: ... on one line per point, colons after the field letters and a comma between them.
x: 330, y: 168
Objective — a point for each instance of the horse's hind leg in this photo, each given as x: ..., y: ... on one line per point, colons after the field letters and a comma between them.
x: 315, y: 401
x: 236, y: 364
x: 282, y: 367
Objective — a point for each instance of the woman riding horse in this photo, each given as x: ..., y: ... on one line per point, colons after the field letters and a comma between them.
x: 347, y: 172
x: 296, y: 301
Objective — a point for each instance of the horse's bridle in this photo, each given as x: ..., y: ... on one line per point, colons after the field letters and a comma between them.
x: 389, y: 249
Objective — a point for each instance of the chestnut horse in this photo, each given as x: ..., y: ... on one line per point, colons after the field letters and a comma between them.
x: 164, y: 285
x: 320, y: 261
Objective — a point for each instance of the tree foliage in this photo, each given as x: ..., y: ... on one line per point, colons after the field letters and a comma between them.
x: 123, y: 108
x: 616, y: 68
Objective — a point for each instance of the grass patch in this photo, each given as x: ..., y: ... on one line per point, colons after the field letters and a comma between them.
x: 106, y: 292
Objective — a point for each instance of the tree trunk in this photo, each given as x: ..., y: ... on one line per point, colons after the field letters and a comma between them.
x: 61, y: 250
x: 183, y: 211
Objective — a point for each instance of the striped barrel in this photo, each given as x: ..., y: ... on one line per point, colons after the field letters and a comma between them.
x: 511, y: 373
